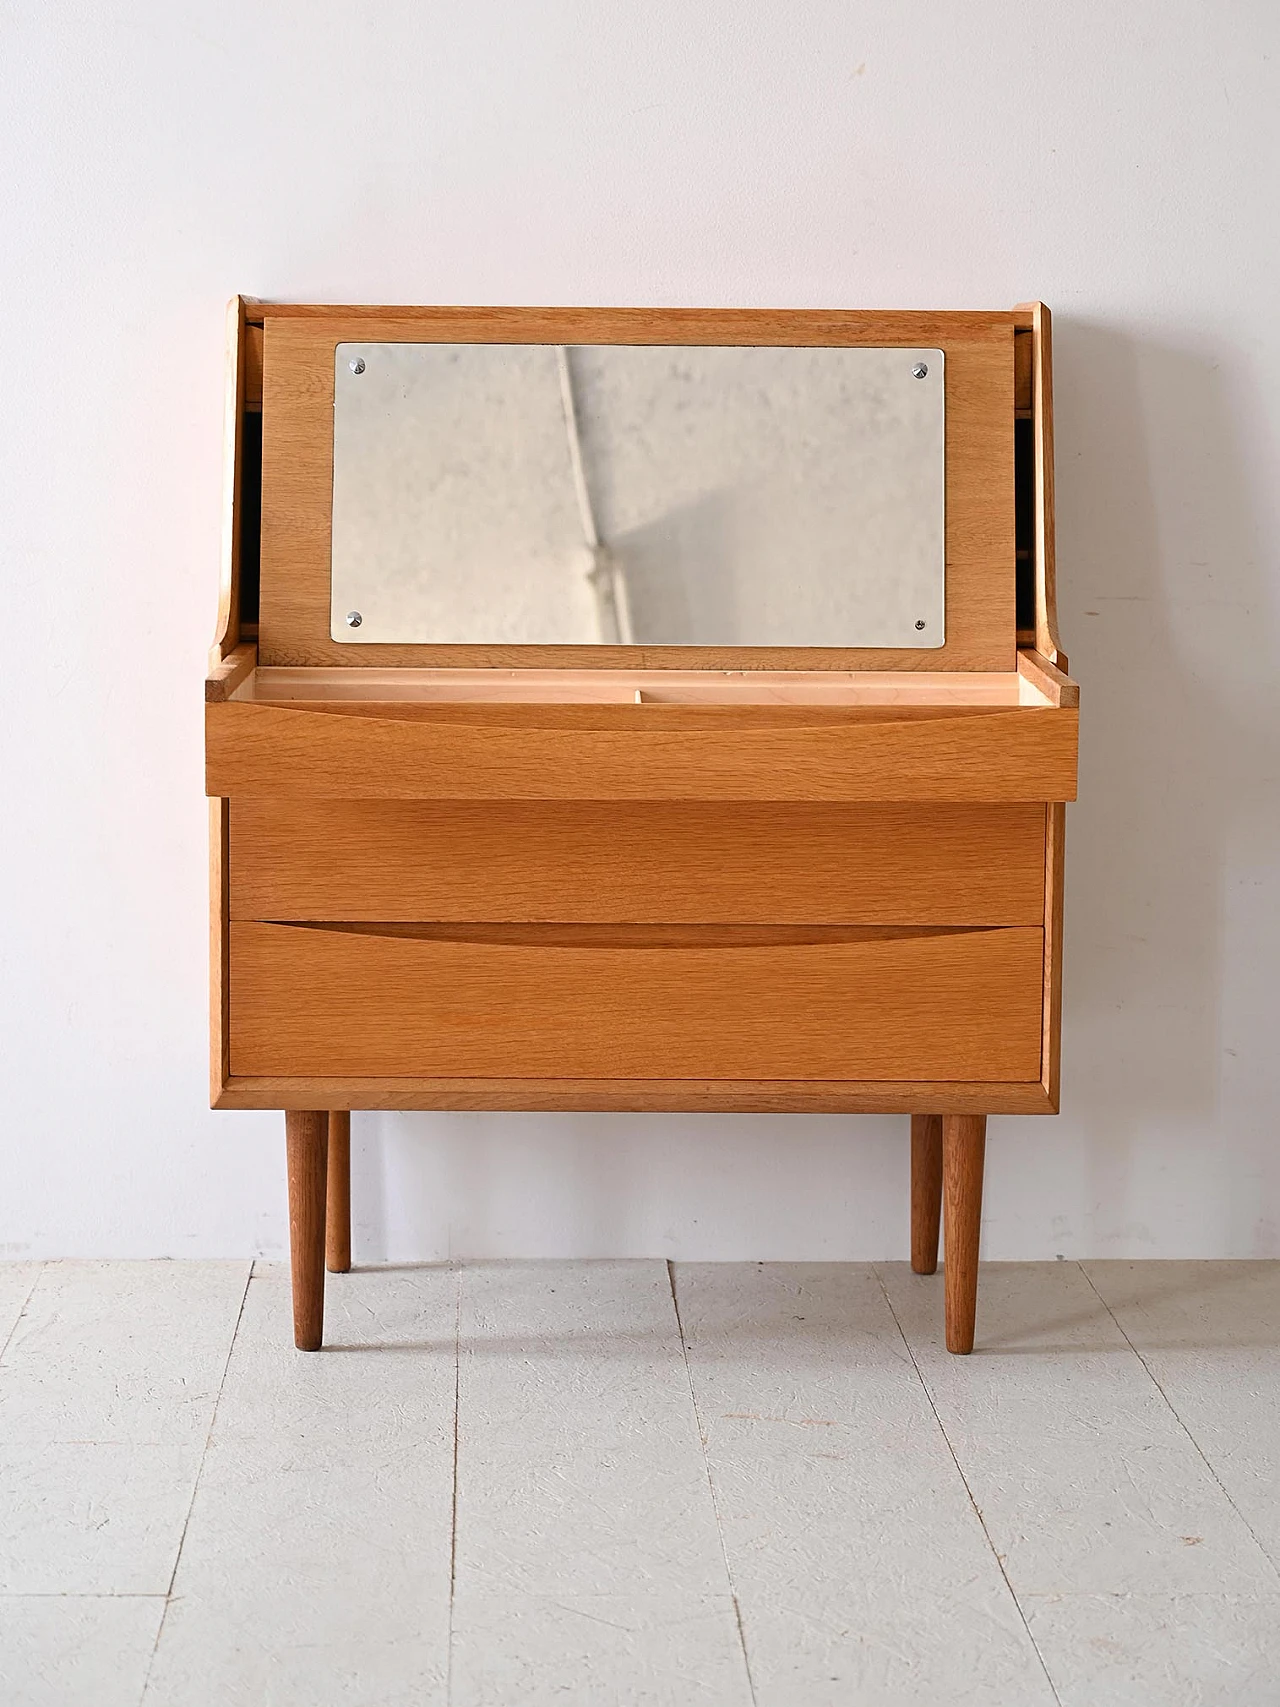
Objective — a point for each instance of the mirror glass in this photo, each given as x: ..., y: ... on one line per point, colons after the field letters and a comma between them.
x: 638, y: 495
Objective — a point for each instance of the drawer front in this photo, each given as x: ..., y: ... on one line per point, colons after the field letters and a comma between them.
x: 362, y: 749
x: 645, y: 1003
x: 665, y: 862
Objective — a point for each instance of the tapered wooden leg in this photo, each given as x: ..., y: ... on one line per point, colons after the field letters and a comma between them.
x: 307, y: 1142
x: 964, y: 1142
x: 337, y: 1245
x: 926, y: 1191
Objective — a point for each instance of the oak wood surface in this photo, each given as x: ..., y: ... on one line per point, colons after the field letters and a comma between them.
x: 926, y: 1191
x: 684, y: 1096
x: 298, y: 385
x: 405, y: 684
x: 230, y: 671
x: 886, y: 1005
x: 964, y: 1139
x: 307, y: 1143
x: 477, y: 323
x: 673, y: 861
x: 1047, y: 642
x: 252, y: 347
x: 227, y: 630
x: 337, y: 1243
x: 641, y: 752
x: 1055, y: 846
x: 1048, y: 679
x: 1023, y: 370
x: 219, y: 949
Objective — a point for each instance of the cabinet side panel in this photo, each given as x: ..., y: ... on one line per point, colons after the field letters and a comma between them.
x: 1055, y: 836
x: 219, y: 949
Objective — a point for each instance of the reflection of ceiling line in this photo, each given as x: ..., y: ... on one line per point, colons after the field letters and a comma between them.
x: 607, y: 576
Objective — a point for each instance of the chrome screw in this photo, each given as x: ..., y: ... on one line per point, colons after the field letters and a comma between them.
x: 357, y: 366
x: 354, y: 619
x: 920, y: 624
x: 919, y: 371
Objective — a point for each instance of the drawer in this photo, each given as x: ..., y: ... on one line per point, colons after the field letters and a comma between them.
x: 354, y: 749
x: 642, y: 1002
x: 646, y: 862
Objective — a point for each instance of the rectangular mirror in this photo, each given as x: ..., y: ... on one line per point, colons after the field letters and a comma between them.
x: 638, y: 495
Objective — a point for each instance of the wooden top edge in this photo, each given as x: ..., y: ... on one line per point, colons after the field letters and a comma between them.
x: 964, y: 322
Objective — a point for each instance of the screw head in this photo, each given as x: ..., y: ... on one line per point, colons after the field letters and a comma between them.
x: 354, y: 619
x: 357, y: 366
x: 919, y: 624
x: 920, y: 370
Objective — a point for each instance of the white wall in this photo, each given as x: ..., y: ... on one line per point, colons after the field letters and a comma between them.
x: 1120, y: 162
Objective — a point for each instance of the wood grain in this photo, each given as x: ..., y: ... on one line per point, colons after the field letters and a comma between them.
x: 1048, y: 679
x: 230, y: 672
x: 926, y: 1191
x: 219, y: 950
x: 1023, y: 372
x: 1047, y: 642
x: 307, y: 1142
x: 635, y: 861
x: 252, y: 366
x: 298, y: 384
x: 227, y: 632
x: 643, y: 752
x: 683, y: 1096
x: 1055, y: 847
x: 964, y: 1141
x: 337, y: 1243
x: 958, y: 1004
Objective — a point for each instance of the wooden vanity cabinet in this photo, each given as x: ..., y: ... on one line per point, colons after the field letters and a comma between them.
x: 644, y: 878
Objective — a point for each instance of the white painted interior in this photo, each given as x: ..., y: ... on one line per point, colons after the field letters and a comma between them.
x: 1119, y: 162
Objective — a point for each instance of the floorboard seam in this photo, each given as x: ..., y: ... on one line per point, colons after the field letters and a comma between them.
x: 1199, y: 1451
x: 453, y: 1517
x: 977, y: 1510
x: 195, y: 1483
x: 711, y: 1484
x: 18, y: 1319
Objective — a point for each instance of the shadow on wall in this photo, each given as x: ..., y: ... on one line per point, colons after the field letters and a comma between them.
x: 1169, y: 1053
x: 1167, y: 1143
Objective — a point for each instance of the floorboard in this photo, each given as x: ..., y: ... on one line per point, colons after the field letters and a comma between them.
x: 619, y: 1483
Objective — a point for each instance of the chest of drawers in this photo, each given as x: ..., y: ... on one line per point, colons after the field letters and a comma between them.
x: 636, y: 876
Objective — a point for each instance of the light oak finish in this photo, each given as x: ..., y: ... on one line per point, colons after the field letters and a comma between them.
x: 298, y: 388
x: 651, y: 878
x: 1042, y: 415
x: 964, y: 1139
x: 1023, y: 372
x: 351, y: 750
x: 227, y: 631
x: 252, y: 366
x: 307, y: 1144
x: 555, y: 1002
x: 219, y: 950
x: 1055, y: 847
x: 926, y: 1191
x: 230, y: 672
x: 641, y: 1096
x: 1056, y: 686
x: 337, y: 1244
x: 670, y: 862
x: 972, y: 689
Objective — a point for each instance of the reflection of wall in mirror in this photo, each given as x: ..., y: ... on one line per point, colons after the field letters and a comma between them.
x: 720, y: 496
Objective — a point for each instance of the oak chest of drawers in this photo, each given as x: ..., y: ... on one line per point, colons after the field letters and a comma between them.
x: 634, y: 875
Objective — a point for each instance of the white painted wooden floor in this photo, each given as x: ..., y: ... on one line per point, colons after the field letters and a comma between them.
x: 557, y: 1482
